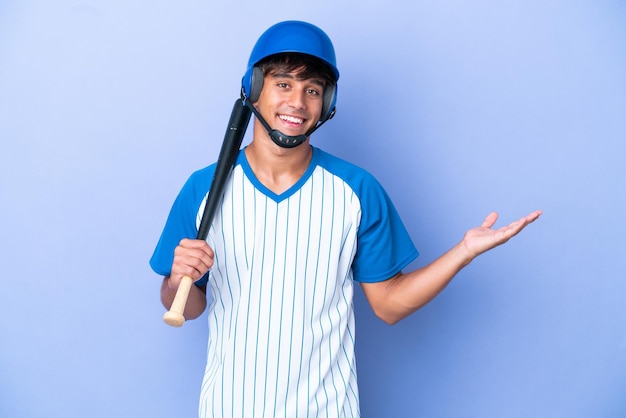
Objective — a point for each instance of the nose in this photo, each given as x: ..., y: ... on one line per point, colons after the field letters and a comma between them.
x: 297, y: 99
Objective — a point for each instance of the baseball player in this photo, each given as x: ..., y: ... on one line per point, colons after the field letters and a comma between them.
x: 296, y: 230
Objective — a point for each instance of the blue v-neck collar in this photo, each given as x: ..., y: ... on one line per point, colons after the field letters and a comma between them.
x: 245, y: 165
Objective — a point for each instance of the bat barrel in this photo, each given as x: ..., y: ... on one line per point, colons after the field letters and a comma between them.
x: 239, y: 118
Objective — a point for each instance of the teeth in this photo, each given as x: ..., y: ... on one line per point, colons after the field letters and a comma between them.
x: 291, y: 119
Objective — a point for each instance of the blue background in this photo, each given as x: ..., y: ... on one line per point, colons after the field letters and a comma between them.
x: 458, y: 108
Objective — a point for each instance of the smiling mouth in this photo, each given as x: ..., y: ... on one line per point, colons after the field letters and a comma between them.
x: 291, y: 119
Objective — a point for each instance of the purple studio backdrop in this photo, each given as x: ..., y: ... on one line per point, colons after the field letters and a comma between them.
x: 458, y: 108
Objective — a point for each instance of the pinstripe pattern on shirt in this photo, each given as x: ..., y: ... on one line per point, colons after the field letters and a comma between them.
x: 281, y: 317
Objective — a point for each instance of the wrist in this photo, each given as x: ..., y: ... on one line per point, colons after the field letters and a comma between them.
x: 464, y: 254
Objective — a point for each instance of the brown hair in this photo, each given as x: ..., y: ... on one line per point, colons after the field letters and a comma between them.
x: 305, y: 66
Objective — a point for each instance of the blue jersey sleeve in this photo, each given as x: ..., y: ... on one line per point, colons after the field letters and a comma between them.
x: 182, y: 220
x: 384, y: 246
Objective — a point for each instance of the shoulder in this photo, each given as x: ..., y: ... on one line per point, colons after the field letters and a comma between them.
x: 355, y: 176
x: 199, y: 182
x: 201, y: 177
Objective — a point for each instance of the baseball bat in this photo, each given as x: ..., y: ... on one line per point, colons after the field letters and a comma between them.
x: 235, y: 132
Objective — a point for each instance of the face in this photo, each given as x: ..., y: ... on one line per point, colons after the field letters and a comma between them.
x: 289, y: 104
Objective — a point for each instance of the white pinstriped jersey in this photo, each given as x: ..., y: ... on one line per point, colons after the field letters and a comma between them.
x: 281, y: 318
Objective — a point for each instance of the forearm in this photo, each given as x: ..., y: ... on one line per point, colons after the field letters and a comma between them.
x: 403, y: 294
x: 196, y: 302
x: 400, y: 296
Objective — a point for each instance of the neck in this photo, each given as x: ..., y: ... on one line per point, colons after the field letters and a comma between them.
x: 277, y: 168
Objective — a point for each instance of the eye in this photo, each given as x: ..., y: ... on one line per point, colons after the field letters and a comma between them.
x: 282, y: 85
x: 313, y: 92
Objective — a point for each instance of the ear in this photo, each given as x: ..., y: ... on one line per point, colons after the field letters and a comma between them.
x: 256, y: 84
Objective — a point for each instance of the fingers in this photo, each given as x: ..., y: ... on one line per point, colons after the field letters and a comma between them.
x: 196, y: 244
x: 192, y: 258
x: 516, y: 227
x: 480, y: 239
x: 534, y: 216
x: 491, y: 219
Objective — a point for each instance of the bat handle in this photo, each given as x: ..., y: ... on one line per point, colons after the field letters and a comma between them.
x: 174, y: 316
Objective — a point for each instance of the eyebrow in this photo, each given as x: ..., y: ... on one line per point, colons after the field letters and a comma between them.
x: 314, y: 80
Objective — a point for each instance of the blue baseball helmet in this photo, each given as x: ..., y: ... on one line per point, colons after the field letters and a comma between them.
x: 292, y: 36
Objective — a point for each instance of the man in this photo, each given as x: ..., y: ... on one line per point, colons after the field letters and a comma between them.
x: 296, y: 228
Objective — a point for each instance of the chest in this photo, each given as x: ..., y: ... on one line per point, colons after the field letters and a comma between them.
x: 272, y: 252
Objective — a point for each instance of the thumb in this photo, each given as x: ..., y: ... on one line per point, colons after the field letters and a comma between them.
x: 490, y: 220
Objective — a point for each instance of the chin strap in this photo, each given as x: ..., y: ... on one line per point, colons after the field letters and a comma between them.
x: 277, y: 136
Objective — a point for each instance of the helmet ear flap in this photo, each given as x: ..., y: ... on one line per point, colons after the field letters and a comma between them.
x: 328, y: 106
x: 256, y: 84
